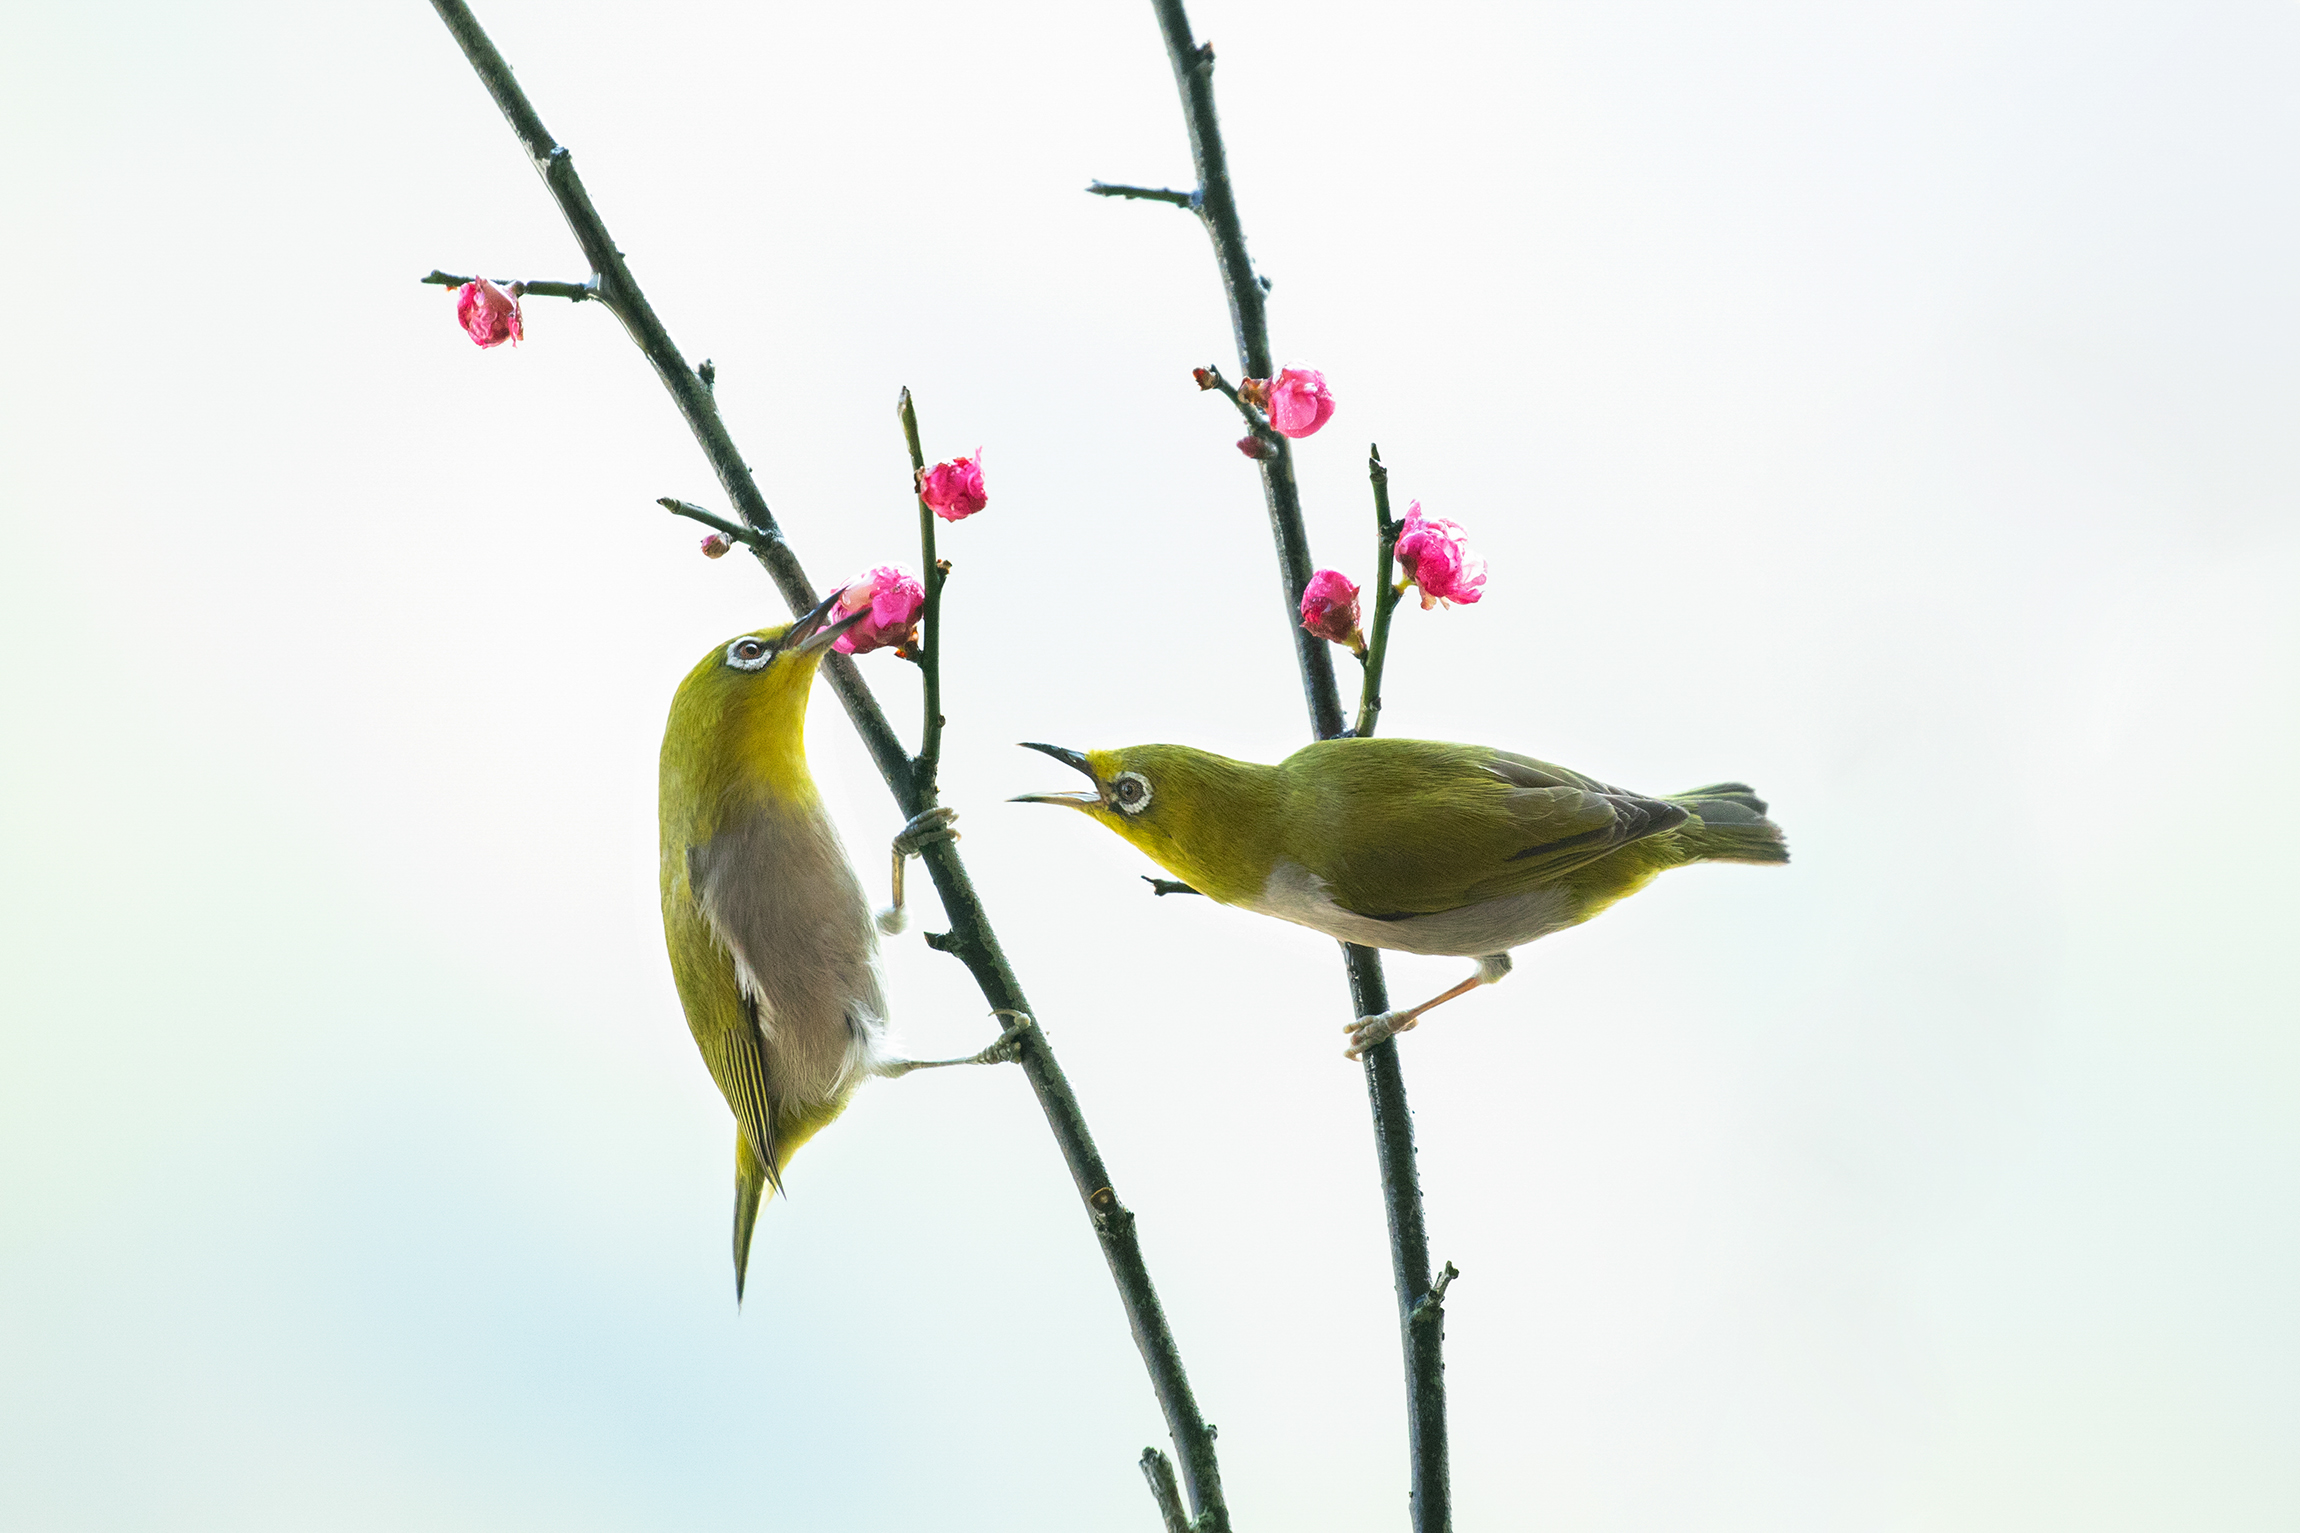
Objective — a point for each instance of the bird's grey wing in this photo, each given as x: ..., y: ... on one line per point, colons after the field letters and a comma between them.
x: 781, y: 897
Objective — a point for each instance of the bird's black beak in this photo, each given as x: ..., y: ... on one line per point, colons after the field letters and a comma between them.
x: 809, y: 634
x: 1068, y: 758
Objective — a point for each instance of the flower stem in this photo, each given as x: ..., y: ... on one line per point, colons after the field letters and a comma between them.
x: 970, y: 938
x: 1385, y: 597
x: 577, y: 291
x: 929, y: 758
x: 1217, y: 207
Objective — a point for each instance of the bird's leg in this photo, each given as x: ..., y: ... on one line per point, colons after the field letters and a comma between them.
x: 923, y: 831
x: 1004, y: 1051
x: 1368, y: 1031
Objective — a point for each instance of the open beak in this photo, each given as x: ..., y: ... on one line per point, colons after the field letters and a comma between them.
x: 1068, y: 758
x: 809, y: 634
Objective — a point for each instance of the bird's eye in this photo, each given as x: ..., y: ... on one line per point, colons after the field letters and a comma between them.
x: 749, y: 654
x: 1130, y: 791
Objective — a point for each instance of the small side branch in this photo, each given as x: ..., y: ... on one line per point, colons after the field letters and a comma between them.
x: 575, y: 291
x: 733, y: 531
x: 1188, y: 200
x: 1158, y: 1469
x: 1386, y: 597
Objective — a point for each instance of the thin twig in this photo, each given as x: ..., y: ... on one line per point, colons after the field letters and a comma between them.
x: 734, y: 531
x: 1211, y: 378
x: 1144, y: 194
x: 929, y: 758
x: 970, y: 938
x: 1159, y: 1471
x: 1167, y: 885
x: 1385, y: 1086
x: 1385, y: 598
x: 578, y: 291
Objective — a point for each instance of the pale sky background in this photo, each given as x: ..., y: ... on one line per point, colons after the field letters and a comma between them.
x: 1891, y: 405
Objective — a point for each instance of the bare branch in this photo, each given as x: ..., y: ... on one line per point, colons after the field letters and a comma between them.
x: 1193, y: 66
x: 970, y: 937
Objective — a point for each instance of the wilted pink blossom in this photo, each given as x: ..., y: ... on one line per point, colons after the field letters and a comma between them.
x: 489, y: 315
x: 1256, y: 447
x: 716, y: 545
x: 1437, y: 558
x: 953, y: 490
x: 1330, y: 609
x: 894, y: 599
x: 1299, y: 403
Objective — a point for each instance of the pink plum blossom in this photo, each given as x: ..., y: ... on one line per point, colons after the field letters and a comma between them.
x: 1437, y: 558
x: 1299, y: 403
x: 716, y: 545
x: 894, y: 599
x: 1330, y: 609
x: 953, y: 490
x: 489, y: 315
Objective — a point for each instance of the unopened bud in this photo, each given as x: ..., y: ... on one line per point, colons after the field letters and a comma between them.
x: 1202, y: 376
x: 1256, y: 448
x: 716, y: 545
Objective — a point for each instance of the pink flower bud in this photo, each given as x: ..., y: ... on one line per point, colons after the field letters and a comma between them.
x: 1299, y: 403
x: 1330, y: 609
x: 716, y: 545
x: 1203, y: 377
x: 1437, y: 558
x: 894, y: 599
x: 1254, y: 447
x: 489, y: 315
x: 953, y: 490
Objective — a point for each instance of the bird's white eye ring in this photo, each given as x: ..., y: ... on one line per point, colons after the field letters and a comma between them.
x: 1130, y: 791
x: 749, y: 654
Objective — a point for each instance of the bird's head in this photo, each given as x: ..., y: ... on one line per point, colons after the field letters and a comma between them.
x: 1202, y: 817
x: 742, y: 710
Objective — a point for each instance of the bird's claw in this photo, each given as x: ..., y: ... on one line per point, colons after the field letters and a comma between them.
x: 924, y: 830
x: 1380, y: 1028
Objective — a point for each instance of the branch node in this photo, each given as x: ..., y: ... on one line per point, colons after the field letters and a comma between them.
x: 709, y: 374
x: 1430, y: 1306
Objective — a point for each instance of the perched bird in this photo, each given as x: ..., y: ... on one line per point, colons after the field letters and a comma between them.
x: 771, y: 944
x: 1410, y: 845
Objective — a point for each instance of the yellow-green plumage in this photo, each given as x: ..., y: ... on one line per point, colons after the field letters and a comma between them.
x: 1412, y: 845
x: 770, y: 940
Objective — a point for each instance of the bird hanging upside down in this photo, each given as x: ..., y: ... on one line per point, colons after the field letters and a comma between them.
x: 771, y: 943
x: 1409, y: 845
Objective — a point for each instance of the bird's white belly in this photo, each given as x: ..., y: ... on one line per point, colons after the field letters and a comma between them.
x: 1293, y: 893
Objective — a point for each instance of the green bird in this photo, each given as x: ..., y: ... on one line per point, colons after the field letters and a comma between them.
x: 772, y: 946
x: 1410, y: 845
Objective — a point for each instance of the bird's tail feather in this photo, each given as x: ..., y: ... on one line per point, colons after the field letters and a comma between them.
x: 751, y: 1178
x: 1729, y: 825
